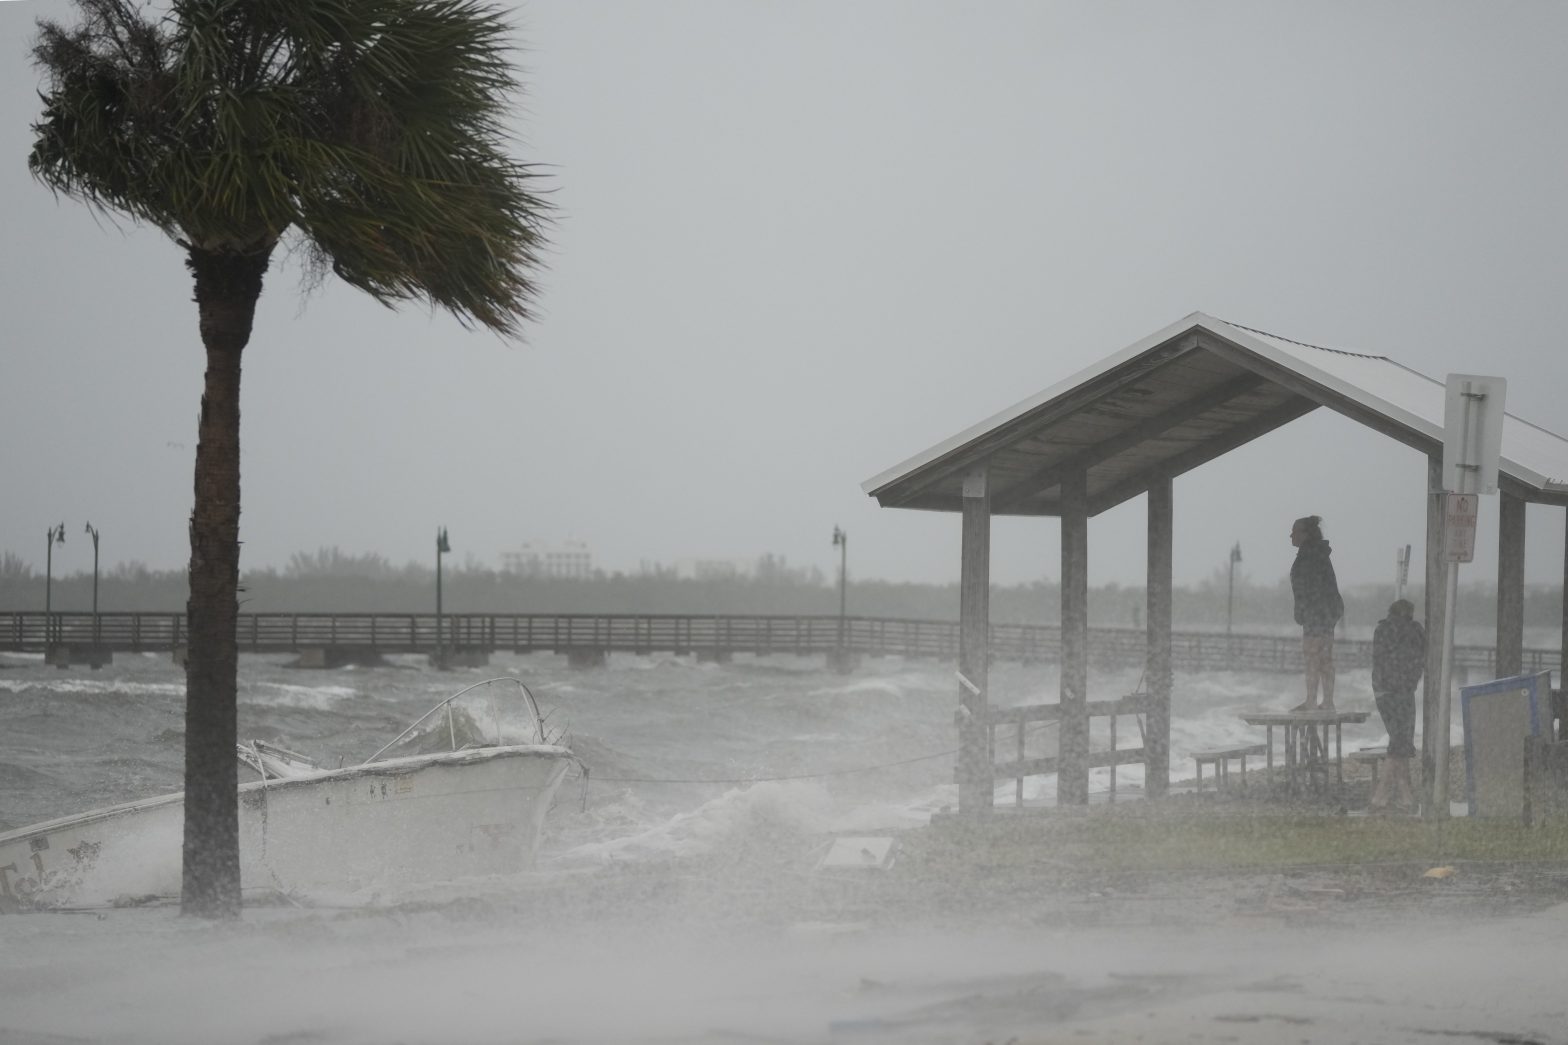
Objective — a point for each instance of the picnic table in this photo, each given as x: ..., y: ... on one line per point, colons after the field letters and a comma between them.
x: 1306, y: 735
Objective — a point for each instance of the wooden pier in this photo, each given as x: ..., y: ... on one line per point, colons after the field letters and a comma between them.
x: 588, y: 637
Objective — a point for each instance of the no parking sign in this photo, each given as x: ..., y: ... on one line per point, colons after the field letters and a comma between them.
x: 1459, y: 513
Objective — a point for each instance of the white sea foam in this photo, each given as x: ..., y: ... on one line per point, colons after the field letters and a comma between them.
x: 893, y: 687
x: 118, y: 687
x: 282, y: 694
x: 651, y: 662
x: 888, y: 815
x: 796, y: 807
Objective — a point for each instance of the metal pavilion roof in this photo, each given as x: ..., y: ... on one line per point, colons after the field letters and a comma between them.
x: 1183, y: 396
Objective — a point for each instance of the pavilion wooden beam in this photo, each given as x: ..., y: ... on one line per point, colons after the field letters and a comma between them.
x: 974, y: 455
x: 1187, y: 460
x: 1510, y: 585
x: 1323, y: 396
x: 1153, y: 427
x: 1072, y: 779
x: 1562, y: 664
x: 1436, y: 579
x: 1157, y: 665
x: 976, y: 776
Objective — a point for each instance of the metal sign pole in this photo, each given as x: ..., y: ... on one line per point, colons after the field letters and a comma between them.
x: 1470, y: 469
x: 1438, y: 807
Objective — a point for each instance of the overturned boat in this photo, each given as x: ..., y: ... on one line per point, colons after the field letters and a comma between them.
x: 444, y: 799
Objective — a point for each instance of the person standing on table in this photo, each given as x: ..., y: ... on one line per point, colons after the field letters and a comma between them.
x: 1318, y: 608
x: 1398, y: 662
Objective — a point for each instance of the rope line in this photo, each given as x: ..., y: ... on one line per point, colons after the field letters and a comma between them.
x: 1029, y: 731
x: 771, y: 779
x: 777, y: 779
x: 1307, y: 344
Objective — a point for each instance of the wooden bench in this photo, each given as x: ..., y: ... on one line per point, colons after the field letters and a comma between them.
x: 1374, y: 755
x: 1220, y: 759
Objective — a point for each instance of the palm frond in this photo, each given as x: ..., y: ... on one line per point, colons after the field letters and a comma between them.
x: 375, y: 129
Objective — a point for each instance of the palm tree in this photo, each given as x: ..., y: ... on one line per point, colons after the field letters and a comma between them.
x: 370, y: 134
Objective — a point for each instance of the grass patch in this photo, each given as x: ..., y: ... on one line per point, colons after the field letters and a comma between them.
x: 1290, y: 841
x: 1258, y: 842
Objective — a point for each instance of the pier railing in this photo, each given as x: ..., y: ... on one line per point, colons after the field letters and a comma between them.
x: 716, y: 635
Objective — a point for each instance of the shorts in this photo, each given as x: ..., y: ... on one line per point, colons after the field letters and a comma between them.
x: 1399, y: 718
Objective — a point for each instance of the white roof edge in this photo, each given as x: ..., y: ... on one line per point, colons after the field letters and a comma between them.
x: 952, y: 443
x: 1247, y: 339
x: 1544, y: 482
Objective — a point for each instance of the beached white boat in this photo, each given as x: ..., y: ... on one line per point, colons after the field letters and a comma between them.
x: 445, y: 799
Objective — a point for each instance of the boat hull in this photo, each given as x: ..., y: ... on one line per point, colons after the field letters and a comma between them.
x: 360, y: 830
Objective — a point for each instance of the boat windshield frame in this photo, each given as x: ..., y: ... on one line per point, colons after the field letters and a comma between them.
x: 528, y: 698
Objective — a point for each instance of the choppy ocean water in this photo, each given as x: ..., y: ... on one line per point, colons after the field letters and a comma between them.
x: 684, y: 756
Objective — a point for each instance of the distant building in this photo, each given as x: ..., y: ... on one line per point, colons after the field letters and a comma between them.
x: 700, y: 569
x: 767, y: 568
x: 571, y: 560
x: 712, y: 569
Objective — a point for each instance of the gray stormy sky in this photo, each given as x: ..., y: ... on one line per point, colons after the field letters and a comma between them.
x: 798, y: 243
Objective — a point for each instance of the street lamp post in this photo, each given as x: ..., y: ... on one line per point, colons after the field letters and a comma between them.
x: 56, y: 536
x: 841, y: 542
x: 442, y: 547
x: 92, y: 531
x: 1230, y: 602
x: 1230, y: 594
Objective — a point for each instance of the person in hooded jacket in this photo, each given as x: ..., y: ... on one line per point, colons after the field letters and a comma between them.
x: 1318, y: 607
x: 1398, y: 662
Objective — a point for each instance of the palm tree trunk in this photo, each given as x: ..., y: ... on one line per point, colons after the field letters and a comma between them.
x: 227, y: 286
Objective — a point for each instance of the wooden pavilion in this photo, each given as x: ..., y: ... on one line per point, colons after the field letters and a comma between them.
x: 1129, y: 425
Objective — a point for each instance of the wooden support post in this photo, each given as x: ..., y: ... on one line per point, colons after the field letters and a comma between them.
x: 1562, y: 663
x: 1436, y: 579
x: 1157, y: 663
x: 975, y: 760
x: 1072, y: 778
x: 1510, y: 585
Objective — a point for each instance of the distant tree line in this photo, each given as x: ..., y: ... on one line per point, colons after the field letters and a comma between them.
x: 330, y: 580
